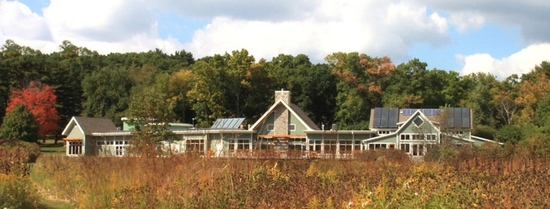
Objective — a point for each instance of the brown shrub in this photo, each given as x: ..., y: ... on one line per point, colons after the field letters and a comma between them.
x: 16, y: 156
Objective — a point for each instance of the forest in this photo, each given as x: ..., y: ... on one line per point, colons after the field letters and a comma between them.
x: 341, y: 90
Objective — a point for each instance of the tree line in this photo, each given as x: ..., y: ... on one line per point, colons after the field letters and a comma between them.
x: 178, y: 87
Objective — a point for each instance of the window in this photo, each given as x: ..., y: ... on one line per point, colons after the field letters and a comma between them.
x: 119, y: 150
x: 269, y: 127
x: 418, y: 150
x: 194, y: 145
x: 413, y: 149
x: 418, y: 121
x: 239, y: 144
x: 431, y: 137
x: 406, y: 148
x: 357, y: 145
x: 292, y: 127
x: 405, y: 137
x: 377, y: 146
x: 345, y: 146
x: 75, y: 148
x: 384, y: 132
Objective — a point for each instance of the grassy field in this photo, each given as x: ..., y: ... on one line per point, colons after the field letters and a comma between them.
x: 50, y: 147
x: 486, y: 177
x: 490, y: 176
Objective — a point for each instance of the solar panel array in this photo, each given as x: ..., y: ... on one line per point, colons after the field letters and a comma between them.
x: 385, y: 117
x: 427, y: 112
x: 458, y: 118
x: 227, y: 123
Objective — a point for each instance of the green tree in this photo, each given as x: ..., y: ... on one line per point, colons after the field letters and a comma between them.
x: 361, y: 83
x: 504, y: 96
x: 542, y: 115
x: 20, y: 124
x: 207, y: 94
x: 313, y: 87
x: 480, y: 88
x: 106, y: 93
x: 151, y: 111
x: 179, y: 84
x: 353, y: 97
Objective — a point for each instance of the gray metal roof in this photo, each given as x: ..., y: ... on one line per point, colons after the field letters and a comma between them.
x: 227, y: 123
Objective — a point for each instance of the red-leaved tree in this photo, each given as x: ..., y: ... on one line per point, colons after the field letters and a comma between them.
x: 40, y: 99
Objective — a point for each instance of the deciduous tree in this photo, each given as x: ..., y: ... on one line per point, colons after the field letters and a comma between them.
x: 40, y: 100
x: 19, y: 124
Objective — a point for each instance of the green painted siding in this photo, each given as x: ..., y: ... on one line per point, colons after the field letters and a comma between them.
x: 362, y: 136
x: 180, y: 127
x: 270, y: 119
x: 299, y: 126
x: 392, y: 138
x: 317, y: 137
x: 75, y: 133
x: 426, y: 127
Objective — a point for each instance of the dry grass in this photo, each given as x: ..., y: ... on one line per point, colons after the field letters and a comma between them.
x: 481, y: 178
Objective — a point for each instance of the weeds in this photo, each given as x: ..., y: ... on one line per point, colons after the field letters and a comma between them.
x: 476, y: 177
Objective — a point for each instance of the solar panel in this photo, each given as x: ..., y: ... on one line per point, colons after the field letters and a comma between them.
x: 457, y: 117
x: 227, y: 123
x: 377, y: 113
x: 408, y: 112
x: 392, y: 119
x: 465, y: 118
x: 385, y: 117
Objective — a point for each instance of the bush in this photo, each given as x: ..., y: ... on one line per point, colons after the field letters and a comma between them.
x: 17, y: 192
x: 16, y: 156
x: 19, y: 124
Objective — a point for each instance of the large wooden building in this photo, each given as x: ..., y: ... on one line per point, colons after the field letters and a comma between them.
x: 285, y: 131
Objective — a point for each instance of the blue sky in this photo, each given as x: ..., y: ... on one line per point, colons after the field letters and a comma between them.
x: 466, y: 36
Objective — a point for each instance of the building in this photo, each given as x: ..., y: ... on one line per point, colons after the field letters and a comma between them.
x: 285, y: 131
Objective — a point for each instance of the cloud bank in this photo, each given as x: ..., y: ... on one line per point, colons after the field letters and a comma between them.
x: 268, y: 28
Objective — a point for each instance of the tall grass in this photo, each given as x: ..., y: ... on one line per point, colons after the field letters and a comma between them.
x: 481, y: 177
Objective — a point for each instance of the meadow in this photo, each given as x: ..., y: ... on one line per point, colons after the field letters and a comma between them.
x: 464, y: 177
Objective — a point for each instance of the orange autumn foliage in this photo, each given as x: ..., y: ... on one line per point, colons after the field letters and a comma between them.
x: 40, y: 99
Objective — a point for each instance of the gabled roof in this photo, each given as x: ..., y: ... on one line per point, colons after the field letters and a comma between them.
x: 91, y: 125
x: 294, y: 110
x: 408, y: 121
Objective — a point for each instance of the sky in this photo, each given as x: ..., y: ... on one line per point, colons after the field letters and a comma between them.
x: 467, y: 36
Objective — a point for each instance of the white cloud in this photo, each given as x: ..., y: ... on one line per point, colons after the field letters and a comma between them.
x: 518, y: 63
x: 467, y: 20
x: 531, y: 16
x: 110, y: 21
x: 371, y: 27
x: 101, y: 25
x: 17, y: 21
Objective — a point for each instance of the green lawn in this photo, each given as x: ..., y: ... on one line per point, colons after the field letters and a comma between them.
x: 50, y: 147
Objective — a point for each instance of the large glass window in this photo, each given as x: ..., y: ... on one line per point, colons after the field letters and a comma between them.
x: 194, y: 145
x: 75, y: 147
x: 378, y: 146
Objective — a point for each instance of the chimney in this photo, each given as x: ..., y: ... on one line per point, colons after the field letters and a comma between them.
x: 281, y: 114
x: 282, y: 95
